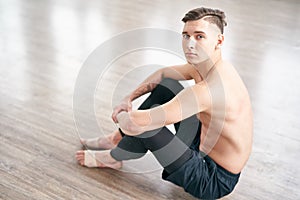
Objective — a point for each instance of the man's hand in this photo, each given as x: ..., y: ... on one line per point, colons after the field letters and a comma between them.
x: 128, y: 124
x: 180, y: 72
x: 125, y: 105
x: 185, y: 104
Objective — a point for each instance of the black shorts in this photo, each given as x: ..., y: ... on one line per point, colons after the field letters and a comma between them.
x: 203, y: 178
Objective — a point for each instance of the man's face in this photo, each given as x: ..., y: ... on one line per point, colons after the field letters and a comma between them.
x: 199, y: 41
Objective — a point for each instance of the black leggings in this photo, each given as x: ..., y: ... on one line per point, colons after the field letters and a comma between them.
x: 184, y: 165
x: 170, y: 150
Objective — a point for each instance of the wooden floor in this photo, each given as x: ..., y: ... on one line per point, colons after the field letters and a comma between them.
x: 43, y: 45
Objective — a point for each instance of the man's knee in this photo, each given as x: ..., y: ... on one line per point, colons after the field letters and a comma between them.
x: 171, y: 85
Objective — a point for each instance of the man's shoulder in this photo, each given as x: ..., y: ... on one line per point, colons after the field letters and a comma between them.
x: 225, y: 63
x: 226, y: 69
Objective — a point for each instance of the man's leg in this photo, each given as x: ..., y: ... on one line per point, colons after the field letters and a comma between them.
x: 170, y: 151
x: 103, y: 142
x: 165, y: 147
x: 163, y: 93
x: 132, y: 147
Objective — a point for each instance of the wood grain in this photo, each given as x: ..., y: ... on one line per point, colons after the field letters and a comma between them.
x: 43, y: 45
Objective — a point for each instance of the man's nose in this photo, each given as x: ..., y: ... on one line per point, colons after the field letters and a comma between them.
x: 191, y: 43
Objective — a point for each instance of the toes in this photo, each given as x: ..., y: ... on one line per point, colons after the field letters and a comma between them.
x: 82, y: 141
x: 82, y: 162
x: 80, y: 152
x: 101, y: 159
x: 80, y: 157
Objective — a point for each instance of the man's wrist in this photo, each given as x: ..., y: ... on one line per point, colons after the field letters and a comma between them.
x: 128, y: 98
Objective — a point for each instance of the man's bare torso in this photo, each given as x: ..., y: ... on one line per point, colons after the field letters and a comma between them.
x: 226, y: 134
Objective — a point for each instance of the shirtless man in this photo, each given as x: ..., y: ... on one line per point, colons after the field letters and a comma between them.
x: 213, y: 118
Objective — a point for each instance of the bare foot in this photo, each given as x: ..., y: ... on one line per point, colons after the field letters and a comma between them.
x: 97, y: 159
x: 100, y: 143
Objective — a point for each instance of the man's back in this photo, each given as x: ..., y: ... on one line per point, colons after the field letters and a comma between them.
x: 226, y: 136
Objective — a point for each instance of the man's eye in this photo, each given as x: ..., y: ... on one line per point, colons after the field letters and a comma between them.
x: 199, y: 37
x: 185, y: 36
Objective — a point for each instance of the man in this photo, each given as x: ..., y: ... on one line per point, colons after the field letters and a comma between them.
x: 213, y: 118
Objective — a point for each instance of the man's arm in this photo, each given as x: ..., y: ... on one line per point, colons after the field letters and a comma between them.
x: 188, y: 102
x: 180, y: 72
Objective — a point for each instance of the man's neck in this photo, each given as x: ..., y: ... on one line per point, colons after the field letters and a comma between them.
x: 204, y: 68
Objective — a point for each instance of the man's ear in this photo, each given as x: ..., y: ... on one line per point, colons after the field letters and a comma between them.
x: 220, y: 41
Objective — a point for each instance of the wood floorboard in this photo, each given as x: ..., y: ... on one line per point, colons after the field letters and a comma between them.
x: 45, y: 44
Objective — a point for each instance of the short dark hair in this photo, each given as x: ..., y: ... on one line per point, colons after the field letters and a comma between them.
x: 213, y: 16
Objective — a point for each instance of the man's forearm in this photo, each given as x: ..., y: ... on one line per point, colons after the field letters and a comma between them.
x: 180, y: 72
x: 136, y: 122
x: 147, y: 85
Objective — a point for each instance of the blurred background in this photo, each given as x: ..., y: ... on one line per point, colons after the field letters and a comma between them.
x: 43, y: 46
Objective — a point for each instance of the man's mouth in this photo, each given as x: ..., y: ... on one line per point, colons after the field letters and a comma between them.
x: 190, y: 54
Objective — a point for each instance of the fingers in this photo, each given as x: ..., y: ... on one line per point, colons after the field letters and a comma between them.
x: 125, y: 106
x: 129, y: 106
x: 114, y: 118
x: 117, y: 110
x: 115, y: 113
